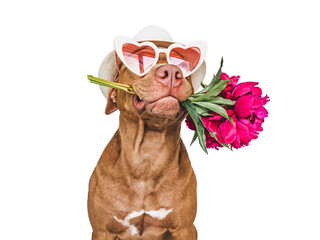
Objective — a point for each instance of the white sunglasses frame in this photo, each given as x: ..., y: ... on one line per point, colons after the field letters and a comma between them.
x: 119, y: 41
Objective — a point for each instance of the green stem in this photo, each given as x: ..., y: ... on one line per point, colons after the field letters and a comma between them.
x: 107, y: 83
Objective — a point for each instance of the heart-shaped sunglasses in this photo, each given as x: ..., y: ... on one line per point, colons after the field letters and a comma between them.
x: 141, y: 57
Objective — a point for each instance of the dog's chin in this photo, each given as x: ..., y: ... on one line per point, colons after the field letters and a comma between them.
x: 167, y: 106
x: 164, y: 107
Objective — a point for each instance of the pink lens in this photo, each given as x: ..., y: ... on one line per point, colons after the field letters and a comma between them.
x: 138, y: 59
x: 186, y: 59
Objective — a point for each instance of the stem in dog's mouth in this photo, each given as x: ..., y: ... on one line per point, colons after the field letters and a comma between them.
x: 137, y: 101
x: 111, y: 84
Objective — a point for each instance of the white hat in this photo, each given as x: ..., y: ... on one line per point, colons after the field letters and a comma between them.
x: 108, y: 69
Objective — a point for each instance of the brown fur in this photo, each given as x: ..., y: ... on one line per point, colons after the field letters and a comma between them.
x: 144, y: 166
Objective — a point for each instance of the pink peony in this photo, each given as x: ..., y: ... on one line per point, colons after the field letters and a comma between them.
x: 211, y: 123
x: 245, y: 88
x: 246, y: 105
x: 226, y: 93
x: 224, y: 129
x: 227, y: 132
x: 190, y: 123
x: 211, y: 142
x: 248, y: 100
x: 248, y: 114
x: 246, y: 131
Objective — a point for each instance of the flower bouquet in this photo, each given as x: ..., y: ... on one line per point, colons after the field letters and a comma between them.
x: 223, y: 114
x: 226, y: 114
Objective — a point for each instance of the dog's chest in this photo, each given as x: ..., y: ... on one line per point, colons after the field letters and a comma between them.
x: 150, y: 206
x: 137, y: 221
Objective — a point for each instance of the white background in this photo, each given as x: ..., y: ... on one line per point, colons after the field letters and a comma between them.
x: 53, y: 127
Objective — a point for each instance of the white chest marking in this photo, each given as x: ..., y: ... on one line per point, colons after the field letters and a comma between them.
x: 158, y: 214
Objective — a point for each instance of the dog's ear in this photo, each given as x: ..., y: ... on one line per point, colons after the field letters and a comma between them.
x: 111, y: 101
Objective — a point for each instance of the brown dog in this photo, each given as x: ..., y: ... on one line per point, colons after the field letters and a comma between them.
x: 143, y: 186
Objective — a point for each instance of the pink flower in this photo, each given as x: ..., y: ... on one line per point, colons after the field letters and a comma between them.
x: 226, y: 132
x: 232, y: 83
x: 246, y: 105
x: 248, y: 114
x: 246, y: 131
x: 211, y: 123
x: 257, y: 122
x: 245, y: 88
x: 248, y: 100
x: 226, y: 93
x: 211, y: 142
x: 190, y: 123
x: 261, y: 112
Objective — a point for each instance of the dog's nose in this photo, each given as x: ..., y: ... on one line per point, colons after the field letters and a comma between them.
x: 169, y: 75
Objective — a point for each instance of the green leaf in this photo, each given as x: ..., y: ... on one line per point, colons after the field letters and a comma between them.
x: 195, y: 135
x: 214, y: 107
x: 214, y: 91
x: 225, y: 145
x: 201, y: 110
x: 231, y: 120
x: 192, y: 97
x: 215, y: 78
x: 198, y: 123
x: 213, y: 134
x: 206, y: 114
x: 221, y: 101
x: 203, y: 85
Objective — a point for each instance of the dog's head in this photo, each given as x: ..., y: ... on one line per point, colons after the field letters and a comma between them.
x: 158, y: 96
x: 158, y: 93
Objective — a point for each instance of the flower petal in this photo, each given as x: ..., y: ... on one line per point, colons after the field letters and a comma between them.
x: 214, y: 116
x: 211, y: 142
x: 227, y: 132
x: 237, y: 142
x: 244, y: 106
x: 256, y: 91
x: 224, y: 76
x: 265, y: 99
x: 210, y: 125
x: 190, y: 123
x: 242, y: 89
x: 261, y: 112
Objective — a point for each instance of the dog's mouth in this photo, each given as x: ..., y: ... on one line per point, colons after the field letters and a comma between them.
x: 138, y: 103
x: 167, y: 105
